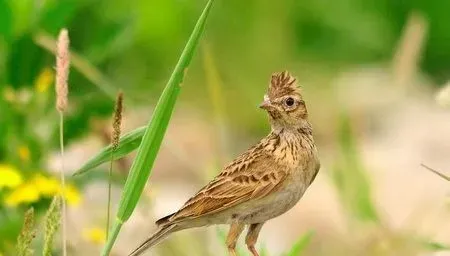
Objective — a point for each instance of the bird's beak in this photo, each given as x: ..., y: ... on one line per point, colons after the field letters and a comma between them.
x: 265, y: 104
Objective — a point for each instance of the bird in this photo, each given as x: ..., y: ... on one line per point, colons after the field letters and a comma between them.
x: 262, y: 183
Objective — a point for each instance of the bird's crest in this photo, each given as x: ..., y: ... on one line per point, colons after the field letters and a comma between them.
x: 282, y: 83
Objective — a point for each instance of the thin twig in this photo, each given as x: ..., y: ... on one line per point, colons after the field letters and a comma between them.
x: 447, y: 178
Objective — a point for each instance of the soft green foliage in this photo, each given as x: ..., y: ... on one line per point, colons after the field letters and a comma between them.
x: 28, y: 122
x: 350, y: 177
x: 127, y: 143
x: 80, y: 63
x: 435, y: 246
x: 154, y: 134
x: 300, y: 246
x: 52, y: 223
x: 131, y: 44
x: 26, y: 235
x: 263, y: 251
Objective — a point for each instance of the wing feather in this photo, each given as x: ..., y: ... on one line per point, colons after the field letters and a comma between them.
x: 253, y: 175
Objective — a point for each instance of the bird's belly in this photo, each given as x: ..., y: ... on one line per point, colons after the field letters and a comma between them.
x: 273, y: 205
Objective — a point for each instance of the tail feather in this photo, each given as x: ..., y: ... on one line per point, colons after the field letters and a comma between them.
x: 156, y: 238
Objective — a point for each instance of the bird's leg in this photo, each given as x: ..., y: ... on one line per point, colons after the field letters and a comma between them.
x: 252, y: 236
x: 233, y: 235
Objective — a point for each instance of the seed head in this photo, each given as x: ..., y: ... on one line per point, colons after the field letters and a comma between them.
x: 62, y: 70
x: 117, y: 121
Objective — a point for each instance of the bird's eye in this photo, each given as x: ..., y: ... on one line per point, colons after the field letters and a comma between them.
x: 289, y: 102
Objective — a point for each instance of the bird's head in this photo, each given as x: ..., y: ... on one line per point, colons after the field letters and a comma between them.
x: 284, y: 102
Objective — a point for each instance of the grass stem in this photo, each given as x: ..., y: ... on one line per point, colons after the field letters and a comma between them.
x: 108, y: 212
x: 63, y: 184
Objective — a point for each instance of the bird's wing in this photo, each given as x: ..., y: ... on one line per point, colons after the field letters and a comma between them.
x: 253, y: 175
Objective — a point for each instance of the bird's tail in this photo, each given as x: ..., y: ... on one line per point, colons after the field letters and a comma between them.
x: 156, y: 238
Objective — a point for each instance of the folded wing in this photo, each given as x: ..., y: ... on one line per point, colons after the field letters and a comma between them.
x: 247, y: 178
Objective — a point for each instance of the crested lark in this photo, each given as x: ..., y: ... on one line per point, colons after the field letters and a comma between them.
x: 262, y: 183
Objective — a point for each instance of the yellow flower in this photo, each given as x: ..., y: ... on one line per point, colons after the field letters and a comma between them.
x: 46, y: 186
x: 50, y: 186
x: 72, y: 195
x: 26, y: 193
x: 44, y: 80
x: 24, y: 153
x: 31, y: 191
x: 9, y: 176
x: 95, y: 235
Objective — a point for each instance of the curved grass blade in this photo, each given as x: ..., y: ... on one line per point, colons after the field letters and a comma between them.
x: 151, y: 142
x: 127, y: 143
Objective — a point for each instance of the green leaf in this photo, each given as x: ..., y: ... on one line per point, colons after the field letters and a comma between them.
x: 299, y: 247
x: 127, y: 143
x: 154, y: 134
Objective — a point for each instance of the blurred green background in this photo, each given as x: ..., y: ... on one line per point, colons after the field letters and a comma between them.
x: 369, y: 70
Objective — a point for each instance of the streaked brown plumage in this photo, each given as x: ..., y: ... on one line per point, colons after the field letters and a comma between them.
x: 262, y: 183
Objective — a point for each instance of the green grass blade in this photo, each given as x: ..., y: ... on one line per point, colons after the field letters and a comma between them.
x: 299, y: 247
x: 350, y: 176
x: 151, y: 142
x: 127, y: 143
